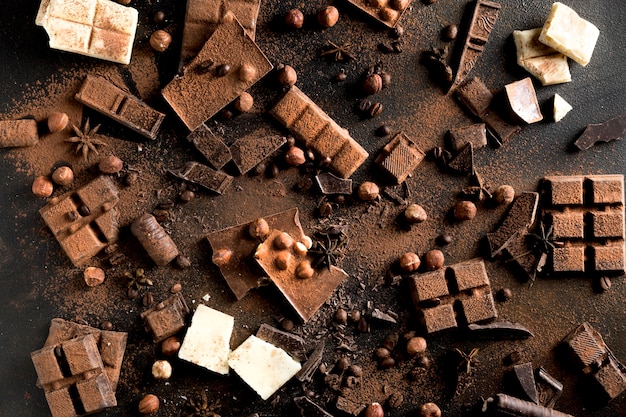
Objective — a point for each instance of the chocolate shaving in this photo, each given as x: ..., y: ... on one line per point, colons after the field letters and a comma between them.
x: 499, y: 331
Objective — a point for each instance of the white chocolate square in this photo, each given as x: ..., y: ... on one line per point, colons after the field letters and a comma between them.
x: 545, y: 63
x: 561, y: 108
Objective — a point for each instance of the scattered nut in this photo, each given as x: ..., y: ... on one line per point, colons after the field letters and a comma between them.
x: 410, y: 262
x: 42, y: 187
x: 160, y: 40
x: 63, y: 176
x: 341, y: 316
x: 282, y: 260
x: 434, y: 259
x: 295, y: 156
x: 368, y: 191
x: 287, y: 76
x: 186, y: 196
x: 247, y: 73
x: 283, y: 241
x: 374, y: 410
x: 110, y: 164
x: 354, y: 316
x: 504, y: 194
x: 328, y: 16
x: 259, y: 229
x: 244, y: 102
x: 429, y: 410
x: 504, y: 294
x: 416, y: 345
x: 382, y: 353
x: 149, y: 404
x: 294, y: 19
x: 304, y: 270
x: 176, y: 288
x: 372, y: 84
x: 449, y: 33
x: 414, y: 213
x: 93, y: 276
x: 57, y: 122
x: 221, y: 257
x: 464, y: 210
x: 161, y: 370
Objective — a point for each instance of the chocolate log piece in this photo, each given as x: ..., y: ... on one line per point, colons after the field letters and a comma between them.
x: 154, y: 239
x: 319, y: 132
x: 512, y: 406
x: 331, y: 184
x: 308, y: 408
x: 484, y: 18
x: 204, y: 16
x: 400, y: 157
x: 523, y: 100
x: 476, y: 134
x: 520, y: 218
x: 103, y: 96
x: 291, y: 343
x: 613, y: 129
x: 18, y: 133
x: 84, y: 222
x: 227, y: 65
x: 166, y: 318
x: 250, y: 150
x: 388, y: 14
x: 202, y: 175
x: 210, y: 146
x: 72, y: 376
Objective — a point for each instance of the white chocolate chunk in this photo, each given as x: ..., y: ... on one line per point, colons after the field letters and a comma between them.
x: 561, y: 107
x: 523, y: 100
x: 528, y: 46
x: 207, y: 342
x: 569, y: 34
x: 263, y: 366
x: 543, y: 62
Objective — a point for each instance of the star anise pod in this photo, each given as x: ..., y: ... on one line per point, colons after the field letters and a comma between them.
x: 86, y: 140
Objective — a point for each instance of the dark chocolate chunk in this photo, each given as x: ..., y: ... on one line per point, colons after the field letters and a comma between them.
x: 252, y: 149
x: 331, y: 184
x: 526, y: 379
x: 293, y: 344
x: 348, y: 406
x: 549, y: 389
x: 476, y: 134
x: 166, y: 318
x: 202, y: 175
x: 400, y: 157
x: 308, y: 408
x: 310, y: 366
x: 612, y: 129
x: 210, y: 146
x: 500, y: 331
x: 463, y: 162
x: 521, y: 218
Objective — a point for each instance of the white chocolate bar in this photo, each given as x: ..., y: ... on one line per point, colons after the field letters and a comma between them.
x: 97, y: 28
x: 543, y: 62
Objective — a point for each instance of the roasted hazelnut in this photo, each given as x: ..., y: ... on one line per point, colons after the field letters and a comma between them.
x: 328, y: 16
x: 410, y: 262
x: 160, y: 40
x: 294, y: 19
x: 342, y: 363
x: 283, y: 241
x: 504, y: 194
x: 186, y: 196
x: 449, y: 33
x: 159, y: 17
x: 110, y: 164
x: 42, y: 187
x: 388, y: 14
x: 57, y: 122
x: 287, y: 325
x: 387, y: 363
x: 295, y: 156
x: 93, y: 276
x: 176, y: 288
x: 464, y: 210
x: 415, y: 345
x: 287, y: 76
x: 399, y: 4
x: 443, y: 239
x: 259, y: 229
x: 372, y: 84
x: 434, y: 259
x: 414, y: 213
x: 63, y: 176
x: 368, y: 191
x: 244, y: 102
x: 341, y: 316
x: 355, y: 370
x: 354, y: 316
x: 383, y: 130
x: 106, y: 325
x: 390, y: 341
x: 374, y: 410
x: 429, y: 410
x: 247, y: 73
x: 282, y: 260
x: 300, y: 249
x: 221, y: 257
x: 149, y: 404
x: 161, y: 370
x: 504, y: 294
x: 304, y: 270
x: 381, y: 353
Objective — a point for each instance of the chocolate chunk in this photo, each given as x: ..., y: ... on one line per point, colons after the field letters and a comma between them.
x: 308, y: 408
x: 463, y: 162
x: 502, y: 330
x: 348, y: 406
x: 548, y: 388
x: 376, y: 314
x: 312, y: 364
x: 106, y: 98
x: 521, y: 217
x: 202, y: 175
x: 293, y: 344
x: 475, y: 134
x: 166, y: 318
x: 522, y: 99
x: 612, y: 129
x: 400, y: 157
x: 18, y: 133
x: 252, y: 149
x: 386, y: 14
x: 508, y: 405
x: 526, y: 379
x: 331, y: 184
x: 210, y: 146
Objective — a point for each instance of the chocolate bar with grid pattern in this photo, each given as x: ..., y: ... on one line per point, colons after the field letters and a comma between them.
x: 166, y: 318
x: 400, y: 157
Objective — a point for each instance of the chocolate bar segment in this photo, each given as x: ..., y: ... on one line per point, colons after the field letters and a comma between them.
x: 250, y: 150
x: 18, y: 133
x: 388, y: 13
x: 106, y: 98
x: 202, y: 175
x: 400, y: 157
x: 210, y: 146
x: 166, y: 318
x: 475, y: 134
x: 612, y: 129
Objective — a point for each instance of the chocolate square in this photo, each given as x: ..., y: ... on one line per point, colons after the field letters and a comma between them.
x: 166, y: 318
x: 475, y: 134
x: 608, y: 224
x: 470, y: 274
x: 568, y: 259
x: 609, y: 258
x: 400, y: 157
x: 438, y: 318
x: 479, y: 307
x: 428, y: 285
x: 607, y: 189
x: 565, y: 190
x: 569, y: 225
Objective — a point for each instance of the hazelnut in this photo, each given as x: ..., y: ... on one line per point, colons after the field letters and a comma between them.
x: 304, y: 270
x: 372, y: 84
x: 42, y: 187
x: 299, y: 249
x: 415, y: 345
x: 221, y: 257
x: 414, y: 213
x: 504, y: 194
x: 368, y: 191
x: 464, y: 210
x: 287, y: 76
x: 110, y: 164
x: 429, y: 410
x: 160, y: 40
x: 434, y: 259
x: 57, y: 122
x: 161, y: 370
x: 294, y: 19
x: 342, y: 363
x: 259, y: 229
x: 504, y: 294
x: 244, y: 102
x: 149, y: 404
x: 341, y: 316
x: 295, y: 156
x: 328, y: 16
x: 449, y: 33
x: 374, y: 410
x: 283, y: 241
x: 354, y: 316
x: 282, y: 260
x: 170, y: 346
x: 93, y: 276
x: 63, y: 176
x: 247, y: 73
x: 388, y: 14
x: 399, y: 4
x: 409, y: 262
x: 381, y: 353
x: 186, y: 196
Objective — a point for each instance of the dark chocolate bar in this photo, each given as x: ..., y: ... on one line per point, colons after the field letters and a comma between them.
x: 210, y: 146
x: 202, y: 175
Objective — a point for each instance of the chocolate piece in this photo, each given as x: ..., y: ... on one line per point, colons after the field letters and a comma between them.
x: 612, y: 129
x: 376, y: 314
x: 484, y: 18
x: 72, y: 376
x: 154, y: 239
x: 397, y: 193
x: 319, y: 132
x: 459, y: 291
x: 526, y: 379
x: 331, y: 184
x: 386, y: 14
x: 203, y: 18
x: 463, y: 162
x: 312, y: 364
x: 202, y: 91
x: 308, y: 408
x: 400, y: 157
x: 549, y: 389
x: 103, y: 96
x: 348, y: 406
x: 202, y: 175
x: 523, y: 100
x: 18, y: 133
x: 166, y: 318
x: 512, y: 406
x: 544, y: 63
x: 210, y: 146
x: 499, y: 331
x: 475, y: 134
x: 520, y: 218
x: 252, y: 149
x: 84, y: 232
x: 293, y: 344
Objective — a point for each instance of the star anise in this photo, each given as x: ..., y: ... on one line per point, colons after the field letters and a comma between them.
x: 467, y: 359
x: 200, y: 407
x: 86, y: 140
x: 338, y: 52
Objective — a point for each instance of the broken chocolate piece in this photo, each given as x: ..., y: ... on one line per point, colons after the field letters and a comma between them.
x: 613, y: 129
x: 400, y: 157
x: 376, y: 314
x: 519, y: 408
x: 484, y: 18
x: 463, y: 162
x: 312, y: 364
x: 549, y: 389
x: 250, y: 150
x: 388, y: 14
x: 308, y: 408
x: 521, y: 217
x: 204, y: 176
x: 499, y: 331
x: 348, y: 406
x: 105, y: 97
x: 526, y: 379
x: 331, y: 184
x: 18, y: 133
x: 291, y: 343
x: 475, y: 134
x: 199, y: 93
x: 210, y: 146
x: 166, y: 318
x: 523, y: 100
x: 544, y: 63
x: 560, y: 108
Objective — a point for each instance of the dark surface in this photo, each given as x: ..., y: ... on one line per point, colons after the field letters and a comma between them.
x: 31, y: 260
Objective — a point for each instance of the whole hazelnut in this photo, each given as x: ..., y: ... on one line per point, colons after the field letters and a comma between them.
x: 374, y: 410
x: 186, y: 196
x: 247, y: 73
x: 372, y: 84
x: 341, y: 316
x: 449, y: 33
x: 415, y: 345
x: 149, y: 404
x: 388, y: 14
x: 221, y: 257
x: 504, y: 294
x: 504, y: 194
x: 464, y: 210
x: 429, y: 410
x: 93, y: 276
x: 414, y: 213
x: 295, y: 156
x: 161, y: 370
x: 110, y: 164
x: 300, y: 249
x: 282, y: 260
x: 42, y: 187
x: 368, y: 191
x: 399, y: 4
x: 160, y: 40
x: 57, y: 122
x: 283, y: 241
x: 434, y: 259
x: 170, y: 346
x: 304, y: 270
x: 259, y: 229
x: 354, y: 316
x: 328, y: 16
x: 410, y: 262
x: 294, y: 19
x: 244, y: 102
x: 176, y: 288
x: 381, y: 353
x: 63, y: 176
x: 287, y: 76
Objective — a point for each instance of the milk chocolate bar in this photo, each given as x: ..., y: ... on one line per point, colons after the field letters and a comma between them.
x: 106, y: 98
x: 388, y: 13
x: 18, y: 133
x: 202, y: 175
x: 210, y: 146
